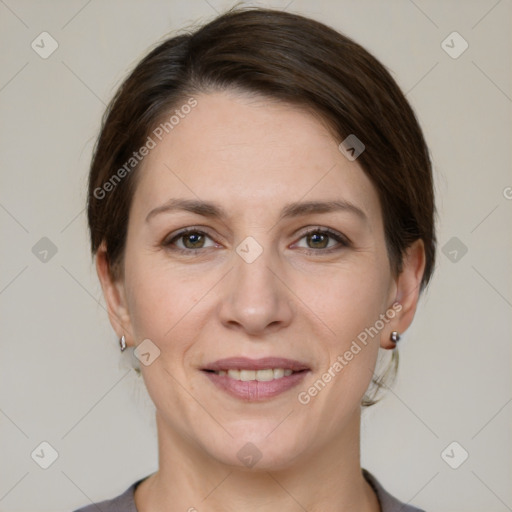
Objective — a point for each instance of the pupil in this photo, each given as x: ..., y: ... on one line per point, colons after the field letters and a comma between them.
x: 318, y: 237
x: 192, y: 237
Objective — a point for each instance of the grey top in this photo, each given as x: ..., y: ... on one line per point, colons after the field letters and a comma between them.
x: 125, y: 502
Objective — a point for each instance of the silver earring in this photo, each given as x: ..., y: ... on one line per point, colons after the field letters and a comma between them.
x: 395, y: 337
x: 122, y: 342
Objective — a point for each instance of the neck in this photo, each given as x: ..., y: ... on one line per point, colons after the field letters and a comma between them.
x: 189, y: 480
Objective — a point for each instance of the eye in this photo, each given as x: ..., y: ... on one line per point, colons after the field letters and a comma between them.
x: 188, y: 240
x: 318, y: 239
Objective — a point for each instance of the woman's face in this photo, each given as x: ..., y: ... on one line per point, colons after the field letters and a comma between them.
x: 248, y: 284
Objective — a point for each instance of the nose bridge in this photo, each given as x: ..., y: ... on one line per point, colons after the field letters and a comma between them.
x: 253, y: 261
x: 256, y: 298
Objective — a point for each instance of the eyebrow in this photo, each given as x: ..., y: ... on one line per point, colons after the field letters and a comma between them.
x: 215, y: 211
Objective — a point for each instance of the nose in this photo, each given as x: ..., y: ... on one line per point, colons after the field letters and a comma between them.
x: 257, y: 298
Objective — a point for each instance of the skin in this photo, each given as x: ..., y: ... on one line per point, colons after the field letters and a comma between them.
x: 253, y: 156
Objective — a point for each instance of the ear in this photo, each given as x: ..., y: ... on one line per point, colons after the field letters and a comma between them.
x: 115, y: 298
x: 408, y: 285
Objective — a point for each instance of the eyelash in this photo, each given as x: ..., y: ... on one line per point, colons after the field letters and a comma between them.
x: 343, y: 241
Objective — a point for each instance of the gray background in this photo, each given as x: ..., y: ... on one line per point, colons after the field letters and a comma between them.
x: 63, y: 379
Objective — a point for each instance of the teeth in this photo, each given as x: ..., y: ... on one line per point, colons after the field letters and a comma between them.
x: 259, y: 375
x: 264, y: 375
x: 246, y: 375
x: 278, y: 373
x: 234, y: 374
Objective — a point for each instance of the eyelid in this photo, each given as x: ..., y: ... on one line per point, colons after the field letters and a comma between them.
x: 343, y: 240
x: 170, y: 239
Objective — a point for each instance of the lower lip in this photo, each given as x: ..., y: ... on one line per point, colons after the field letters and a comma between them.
x: 253, y: 390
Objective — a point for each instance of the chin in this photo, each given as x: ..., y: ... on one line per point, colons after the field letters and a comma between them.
x: 257, y: 453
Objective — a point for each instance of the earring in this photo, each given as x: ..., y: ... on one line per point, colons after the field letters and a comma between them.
x: 395, y: 337
x: 122, y: 342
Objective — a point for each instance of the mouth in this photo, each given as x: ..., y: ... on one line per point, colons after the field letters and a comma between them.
x: 255, y: 379
x: 260, y: 375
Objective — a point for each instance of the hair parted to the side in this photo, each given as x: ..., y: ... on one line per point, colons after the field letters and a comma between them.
x: 289, y: 58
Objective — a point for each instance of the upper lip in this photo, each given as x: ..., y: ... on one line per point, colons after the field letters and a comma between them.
x: 264, y: 363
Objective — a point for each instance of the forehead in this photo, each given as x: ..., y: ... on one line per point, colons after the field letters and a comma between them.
x: 252, y: 151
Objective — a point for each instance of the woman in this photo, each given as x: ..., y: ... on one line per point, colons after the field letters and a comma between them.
x: 262, y: 215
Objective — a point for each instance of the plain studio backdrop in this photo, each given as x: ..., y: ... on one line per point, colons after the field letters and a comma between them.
x: 441, y: 438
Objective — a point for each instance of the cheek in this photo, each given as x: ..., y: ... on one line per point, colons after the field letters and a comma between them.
x: 163, y: 302
x: 349, y: 309
x: 352, y: 301
x: 153, y: 300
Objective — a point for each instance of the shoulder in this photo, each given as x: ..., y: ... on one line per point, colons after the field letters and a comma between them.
x: 125, y: 502
x: 388, y: 502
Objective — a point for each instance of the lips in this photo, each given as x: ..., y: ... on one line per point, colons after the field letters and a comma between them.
x: 264, y: 363
x: 255, y: 379
x: 260, y: 375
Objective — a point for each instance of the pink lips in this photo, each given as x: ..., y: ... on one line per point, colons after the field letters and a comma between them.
x: 253, y: 391
x: 244, y: 363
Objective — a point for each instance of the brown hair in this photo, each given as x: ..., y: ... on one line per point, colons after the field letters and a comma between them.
x: 286, y: 57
